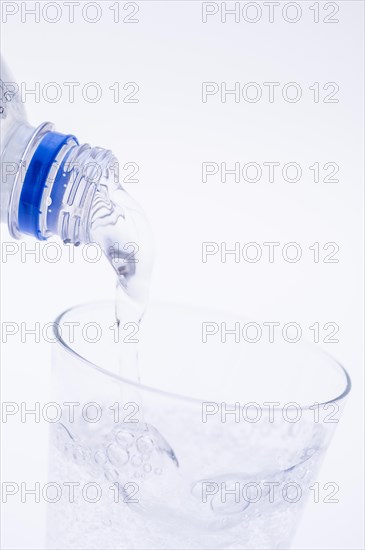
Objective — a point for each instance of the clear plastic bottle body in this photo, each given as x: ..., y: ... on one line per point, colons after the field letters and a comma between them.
x: 15, y: 136
x: 11, y: 107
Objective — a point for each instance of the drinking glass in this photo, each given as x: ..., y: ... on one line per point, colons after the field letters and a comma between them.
x: 211, y: 439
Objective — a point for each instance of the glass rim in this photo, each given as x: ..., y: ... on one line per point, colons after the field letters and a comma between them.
x: 168, y: 394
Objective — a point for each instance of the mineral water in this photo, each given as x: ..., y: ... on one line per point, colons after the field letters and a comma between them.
x: 119, y: 226
x: 149, y: 498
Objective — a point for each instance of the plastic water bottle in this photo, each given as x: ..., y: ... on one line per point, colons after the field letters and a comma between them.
x: 53, y: 186
x: 48, y: 180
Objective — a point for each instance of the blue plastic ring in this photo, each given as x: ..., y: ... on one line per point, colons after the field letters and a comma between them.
x: 35, y: 182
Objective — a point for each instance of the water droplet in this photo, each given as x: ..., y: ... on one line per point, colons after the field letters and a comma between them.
x: 117, y: 455
x: 145, y: 444
x: 124, y: 439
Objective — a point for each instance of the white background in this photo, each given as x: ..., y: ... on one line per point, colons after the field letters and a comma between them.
x: 169, y: 133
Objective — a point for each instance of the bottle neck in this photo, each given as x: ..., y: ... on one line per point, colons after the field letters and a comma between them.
x: 55, y: 193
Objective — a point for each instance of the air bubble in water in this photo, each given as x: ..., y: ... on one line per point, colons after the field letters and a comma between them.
x: 145, y: 445
x: 124, y: 439
x: 117, y: 456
